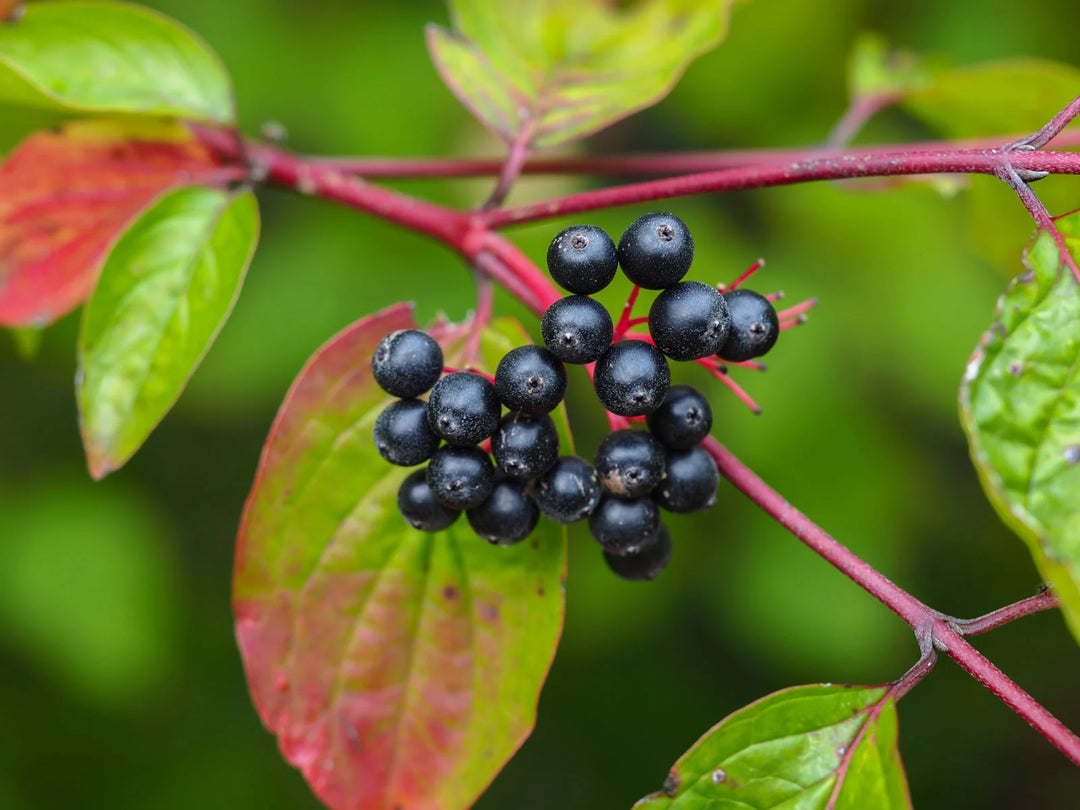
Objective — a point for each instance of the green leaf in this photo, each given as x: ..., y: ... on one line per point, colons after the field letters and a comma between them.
x: 805, y: 748
x: 1020, y: 406
x: 27, y: 341
x: 398, y: 669
x: 875, y: 69
x: 111, y: 57
x: 1006, y: 97
x: 546, y: 72
x: 163, y: 295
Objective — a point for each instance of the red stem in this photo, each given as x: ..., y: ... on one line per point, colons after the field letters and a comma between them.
x: 1045, y: 600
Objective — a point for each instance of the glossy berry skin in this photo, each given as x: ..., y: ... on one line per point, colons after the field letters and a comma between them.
x: 402, y: 434
x: 754, y: 326
x: 656, y: 250
x: 531, y: 380
x: 689, y: 483
x: 621, y: 526
x: 460, y: 477
x: 407, y: 363
x: 582, y: 259
x: 569, y: 491
x: 647, y: 562
x: 631, y: 378
x: 525, y: 446
x: 463, y: 408
x: 629, y: 463
x: 577, y: 329
x: 689, y: 321
x: 419, y: 507
x: 508, y: 515
x: 683, y: 419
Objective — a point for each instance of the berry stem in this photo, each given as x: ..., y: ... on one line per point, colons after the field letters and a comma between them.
x: 931, y: 628
x: 798, y: 309
x: 720, y: 372
x: 749, y: 271
x: 485, y: 302
x: 624, y: 319
x: 797, y: 321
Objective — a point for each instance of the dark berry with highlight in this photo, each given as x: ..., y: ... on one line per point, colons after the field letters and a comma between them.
x: 656, y: 250
x: 418, y: 506
x: 407, y: 363
x: 402, y: 434
x: 690, y: 481
x: 623, y: 526
x: 530, y: 379
x: 631, y: 378
x: 629, y: 463
x: 647, y: 562
x: 569, y: 491
x: 582, y: 259
x: 577, y: 329
x: 683, y: 419
x: 525, y: 446
x: 507, y: 516
x: 463, y: 408
x: 754, y: 326
x: 689, y: 320
x: 460, y: 477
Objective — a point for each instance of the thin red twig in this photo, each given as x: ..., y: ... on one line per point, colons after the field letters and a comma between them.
x: 1044, y: 600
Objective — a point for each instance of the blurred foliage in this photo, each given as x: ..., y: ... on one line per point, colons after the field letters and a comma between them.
x: 120, y: 684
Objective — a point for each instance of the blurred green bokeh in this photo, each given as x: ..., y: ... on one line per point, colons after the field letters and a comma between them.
x: 120, y: 684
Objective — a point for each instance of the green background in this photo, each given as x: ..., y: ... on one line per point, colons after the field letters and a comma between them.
x: 120, y: 684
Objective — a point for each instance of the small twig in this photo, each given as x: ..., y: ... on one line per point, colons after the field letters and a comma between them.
x: 485, y: 300
x: 1051, y: 129
x: 511, y: 168
x: 1044, y: 600
x: 857, y: 114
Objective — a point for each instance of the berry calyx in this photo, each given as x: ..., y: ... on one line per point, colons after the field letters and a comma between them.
x: 525, y: 446
x: 754, y: 326
x: 530, y: 379
x: 460, y: 477
x: 690, y: 480
x: 582, y: 259
x: 647, y: 562
x: 402, y: 434
x: 577, y: 329
x: 656, y: 250
x: 406, y: 363
x: 629, y: 463
x: 569, y: 491
x: 624, y: 526
x: 418, y: 506
x: 689, y: 321
x: 683, y: 419
x: 631, y: 378
x: 507, y: 516
x: 463, y: 408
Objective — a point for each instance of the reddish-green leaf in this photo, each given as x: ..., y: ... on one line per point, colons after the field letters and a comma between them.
x: 66, y: 196
x: 546, y: 72
x: 1020, y: 406
x: 819, y: 747
x: 164, y: 293
x: 399, y: 669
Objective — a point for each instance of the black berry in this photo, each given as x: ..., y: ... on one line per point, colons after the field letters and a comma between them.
x: 629, y: 463
x: 754, y: 326
x: 508, y: 515
x: 525, y: 446
x: 656, y: 250
x: 577, y: 329
x: 689, y: 321
x: 460, y: 477
x: 631, y: 378
x: 582, y: 259
x: 402, y: 434
x: 683, y: 419
x: 419, y: 507
x: 569, y: 491
x: 647, y: 562
x: 463, y: 408
x: 530, y: 379
x: 407, y: 363
x: 689, y: 483
x: 621, y: 526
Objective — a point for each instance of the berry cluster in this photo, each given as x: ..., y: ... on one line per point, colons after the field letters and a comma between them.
x: 635, y: 473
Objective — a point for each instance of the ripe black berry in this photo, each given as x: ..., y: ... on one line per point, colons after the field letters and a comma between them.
x: 463, y: 408
x: 419, y: 507
x: 623, y: 527
x: 647, y: 562
x: 460, y: 477
x: 530, y: 379
x: 629, y: 463
x: 683, y: 419
x: 407, y: 363
x: 569, y: 491
x: 508, y: 515
x: 577, y: 329
x: 525, y: 446
x: 656, y: 250
x: 631, y: 378
x: 582, y: 259
x: 402, y: 434
x: 690, y: 481
x: 754, y: 326
x: 689, y: 321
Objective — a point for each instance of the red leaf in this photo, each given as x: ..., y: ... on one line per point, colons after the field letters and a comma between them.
x: 398, y: 668
x: 66, y: 196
